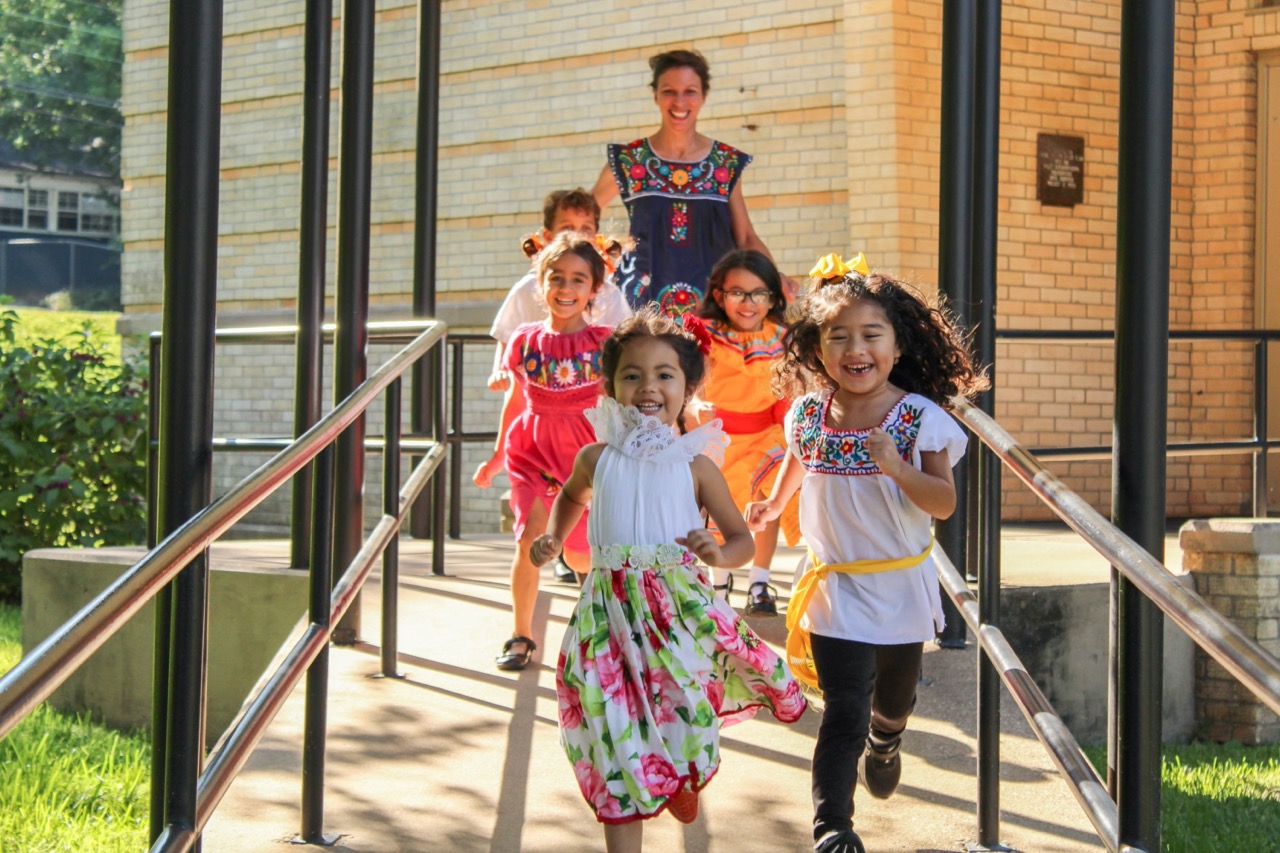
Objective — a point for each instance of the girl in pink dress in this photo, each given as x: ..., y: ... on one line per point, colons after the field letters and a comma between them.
x: 556, y: 363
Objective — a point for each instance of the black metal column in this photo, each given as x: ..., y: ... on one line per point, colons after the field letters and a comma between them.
x: 316, y: 711
x: 955, y: 241
x: 351, y: 338
x: 390, y: 653
x: 185, y: 484
x: 313, y: 223
x: 986, y: 164
x: 1142, y: 366
x: 426, y: 372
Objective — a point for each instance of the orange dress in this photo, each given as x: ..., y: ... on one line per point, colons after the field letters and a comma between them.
x: 738, y: 386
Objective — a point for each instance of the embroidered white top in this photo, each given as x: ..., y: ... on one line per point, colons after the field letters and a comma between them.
x: 643, y: 489
x: 850, y: 511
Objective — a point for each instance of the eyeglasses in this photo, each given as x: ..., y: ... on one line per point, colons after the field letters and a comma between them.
x: 759, y: 297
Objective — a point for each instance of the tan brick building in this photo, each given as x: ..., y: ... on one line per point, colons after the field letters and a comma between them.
x: 839, y: 104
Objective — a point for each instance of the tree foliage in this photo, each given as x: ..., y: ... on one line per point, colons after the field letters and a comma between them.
x: 60, y: 68
x: 73, y: 441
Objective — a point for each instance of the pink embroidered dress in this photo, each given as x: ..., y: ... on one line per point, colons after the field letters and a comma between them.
x: 560, y: 377
x: 652, y: 664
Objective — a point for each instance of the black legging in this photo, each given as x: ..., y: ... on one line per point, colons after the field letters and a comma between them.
x: 864, y: 687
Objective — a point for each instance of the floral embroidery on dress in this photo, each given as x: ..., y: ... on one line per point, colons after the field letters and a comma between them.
x: 560, y: 374
x: 646, y: 173
x: 828, y: 451
x: 680, y: 222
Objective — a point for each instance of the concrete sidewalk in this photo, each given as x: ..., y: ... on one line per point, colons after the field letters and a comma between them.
x: 457, y: 756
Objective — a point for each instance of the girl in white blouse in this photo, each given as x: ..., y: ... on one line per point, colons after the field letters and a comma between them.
x: 873, y: 449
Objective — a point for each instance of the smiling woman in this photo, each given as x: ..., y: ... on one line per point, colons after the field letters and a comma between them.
x: 682, y: 191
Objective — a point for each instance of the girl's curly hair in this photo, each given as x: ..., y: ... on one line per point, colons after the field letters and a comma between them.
x: 651, y: 322
x: 935, y: 360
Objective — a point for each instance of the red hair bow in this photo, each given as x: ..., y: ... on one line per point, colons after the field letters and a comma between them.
x: 693, y: 325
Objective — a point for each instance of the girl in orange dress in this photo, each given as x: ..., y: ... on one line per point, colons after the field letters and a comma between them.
x: 743, y: 309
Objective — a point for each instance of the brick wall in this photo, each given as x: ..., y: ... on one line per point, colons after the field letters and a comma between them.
x: 839, y: 103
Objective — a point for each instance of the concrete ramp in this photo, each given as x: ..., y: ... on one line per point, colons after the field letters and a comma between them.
x: 457, y: 756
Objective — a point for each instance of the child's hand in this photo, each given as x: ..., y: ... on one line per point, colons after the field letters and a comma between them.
x: 544, y: 549
x: 703, y: 544
x: 884, y: 452
x: 758, y: 514
x: 483, y: 477
x: 499, y: 380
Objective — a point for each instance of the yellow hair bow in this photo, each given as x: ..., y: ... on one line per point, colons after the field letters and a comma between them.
x: 833, y: 266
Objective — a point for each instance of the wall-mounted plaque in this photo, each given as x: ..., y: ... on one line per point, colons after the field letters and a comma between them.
x: 1059, y: 169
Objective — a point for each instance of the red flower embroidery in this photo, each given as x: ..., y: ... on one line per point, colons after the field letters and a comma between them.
x: 637, y: 171
x: 722, y: 174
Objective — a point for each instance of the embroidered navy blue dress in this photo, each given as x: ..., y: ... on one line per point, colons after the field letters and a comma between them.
x: 679, y: 219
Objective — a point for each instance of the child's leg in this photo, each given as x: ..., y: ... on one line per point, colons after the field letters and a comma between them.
x: 897, y: 674
x: 761, y: 598
x: 846, y: 674
x: 623, y: 837
x: 524, y: 579
x: 579, y: 561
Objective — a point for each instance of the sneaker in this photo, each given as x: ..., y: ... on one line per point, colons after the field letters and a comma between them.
x: 683, y: 805
x: 881, y: 767
x: 563, y: 573
x: 762, y: 600
x: 839, y: 841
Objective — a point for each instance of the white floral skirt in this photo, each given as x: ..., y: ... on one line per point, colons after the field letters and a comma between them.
x: 652, y: 665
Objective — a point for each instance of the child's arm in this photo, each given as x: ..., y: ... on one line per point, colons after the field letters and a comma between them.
x: 512, y: 406
x: 499, y: 379
x: 713, y: 496
x: 760, y: 513
x: 568, y: 506
x: 930, y: 487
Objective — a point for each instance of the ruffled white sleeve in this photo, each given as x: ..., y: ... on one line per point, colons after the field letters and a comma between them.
x: 708, y: 440
x: 940, y: 432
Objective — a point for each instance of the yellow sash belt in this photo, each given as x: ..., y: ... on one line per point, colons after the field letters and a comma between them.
x: 799, y: 649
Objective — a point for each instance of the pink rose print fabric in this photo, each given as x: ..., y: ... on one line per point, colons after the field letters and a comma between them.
x: 651, y: 667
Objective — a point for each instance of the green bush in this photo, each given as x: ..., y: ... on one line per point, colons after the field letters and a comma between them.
x: 73, y: 440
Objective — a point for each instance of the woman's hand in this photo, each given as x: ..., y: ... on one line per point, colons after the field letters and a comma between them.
x: 883, y: 452
x: 483, y: 477
x: 499, y: 380
x: 759, y: 513
x: 544, y: 549
x: 703, y: 544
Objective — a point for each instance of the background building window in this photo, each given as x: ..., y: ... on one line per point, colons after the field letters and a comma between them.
x: 11, y: 207
x: 97, y: 214
x: 38, y: 209
x: 68, y: 211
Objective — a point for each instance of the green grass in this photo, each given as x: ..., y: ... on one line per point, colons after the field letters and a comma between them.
x: 37, y: 323
x: 1217, y: 797
x: 66, y: 783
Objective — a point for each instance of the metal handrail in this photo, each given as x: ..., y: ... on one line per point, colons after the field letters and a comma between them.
x: 1053, y: 734
x: 1251, y: 664
x: 47, y: 666
x: 233, y: 751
